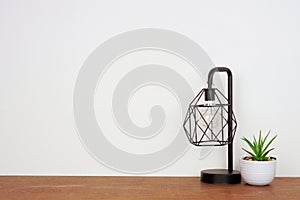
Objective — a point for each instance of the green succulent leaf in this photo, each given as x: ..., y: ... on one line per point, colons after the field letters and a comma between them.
x: 266, y: 136
x: 266, y: 153
x: 252, y: 146
x: 265, y: 149
x: 252, y: 155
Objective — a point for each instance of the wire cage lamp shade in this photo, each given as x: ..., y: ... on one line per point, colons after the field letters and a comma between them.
x: 206, y: 122
x: 210, y: 121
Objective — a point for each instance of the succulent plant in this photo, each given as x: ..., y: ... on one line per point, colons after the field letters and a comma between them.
x: 260, y: 149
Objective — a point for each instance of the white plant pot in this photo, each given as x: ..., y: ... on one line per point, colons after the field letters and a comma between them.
x: 258, y: 172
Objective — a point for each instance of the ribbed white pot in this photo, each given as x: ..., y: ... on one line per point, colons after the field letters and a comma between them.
x: 258, y: 172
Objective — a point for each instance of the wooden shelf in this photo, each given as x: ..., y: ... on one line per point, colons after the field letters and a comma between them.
x: 53, y: 187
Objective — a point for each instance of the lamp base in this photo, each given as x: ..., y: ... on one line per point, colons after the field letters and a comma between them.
x: 220, y: 176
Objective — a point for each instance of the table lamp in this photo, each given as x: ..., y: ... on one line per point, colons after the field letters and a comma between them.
x: 210, y: 121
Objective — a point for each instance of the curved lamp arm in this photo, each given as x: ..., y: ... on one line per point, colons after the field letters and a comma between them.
x: 210, y: 96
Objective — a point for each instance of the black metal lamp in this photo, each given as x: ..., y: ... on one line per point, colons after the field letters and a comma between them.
x: 210, y: 121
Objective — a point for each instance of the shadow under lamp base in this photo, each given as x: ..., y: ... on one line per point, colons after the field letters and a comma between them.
x: 220, y: 176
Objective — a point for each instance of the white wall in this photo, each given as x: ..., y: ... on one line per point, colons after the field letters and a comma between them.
x: 44, y: 44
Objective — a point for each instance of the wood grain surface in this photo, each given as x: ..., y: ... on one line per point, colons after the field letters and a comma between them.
x: 96, y: 187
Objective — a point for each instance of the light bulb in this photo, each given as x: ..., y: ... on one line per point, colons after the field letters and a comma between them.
x: 210, y: 120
